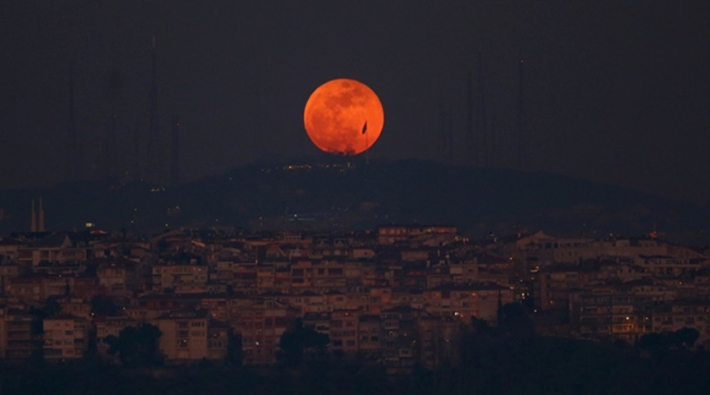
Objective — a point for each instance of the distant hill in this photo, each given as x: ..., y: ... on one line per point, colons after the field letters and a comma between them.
x: 341, y: 195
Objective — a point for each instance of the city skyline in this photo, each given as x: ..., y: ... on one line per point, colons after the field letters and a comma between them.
x: 615, y: 93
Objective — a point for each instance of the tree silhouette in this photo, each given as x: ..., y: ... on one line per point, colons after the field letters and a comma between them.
x: 103, y: 306
x: 300, y: 340
x: 686, y: 336
x: 514, y: 319
x: 135, y: 345
x: 234, y: 350
x: 682, y: 338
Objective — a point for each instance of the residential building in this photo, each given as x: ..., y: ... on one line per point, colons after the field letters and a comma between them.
x: 184, y: 336
x: 65, y: 337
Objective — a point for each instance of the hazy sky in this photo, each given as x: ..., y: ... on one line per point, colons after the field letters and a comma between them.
x: 615, y: 91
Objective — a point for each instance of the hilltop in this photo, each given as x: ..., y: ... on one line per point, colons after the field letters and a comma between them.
x: 343, y: 194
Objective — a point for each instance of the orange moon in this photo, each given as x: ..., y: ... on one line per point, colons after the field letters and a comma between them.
x: 343, y: 117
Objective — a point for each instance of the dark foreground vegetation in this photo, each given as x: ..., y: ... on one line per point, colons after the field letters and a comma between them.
x: 506, y: 364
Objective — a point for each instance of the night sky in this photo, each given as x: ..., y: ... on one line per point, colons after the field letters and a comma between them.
x: 615, y: 91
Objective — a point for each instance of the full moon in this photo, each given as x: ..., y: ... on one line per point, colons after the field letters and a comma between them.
x: 343, y: 117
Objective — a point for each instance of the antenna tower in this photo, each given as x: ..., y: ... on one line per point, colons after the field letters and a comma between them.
x: 175, y: 153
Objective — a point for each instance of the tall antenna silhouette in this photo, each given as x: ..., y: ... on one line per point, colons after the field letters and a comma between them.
x: 259, y: 127
x: 493, y: 150
x: 521, y: 112
x: 74, y: 168
x: 446, y: 129
x: 33, y: 218
x: 471, y: 138
x: 154, y: 160
x: 175, y: 153
x: 40, y: 218
x: 367, y: 148
x: 450, y: 130
x: 442, y: 135
x: 110, y: 145
x: 481, y: 112
x: 135, y: 143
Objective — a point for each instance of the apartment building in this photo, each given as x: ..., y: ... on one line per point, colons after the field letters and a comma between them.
x: 65, y: 337
x: 344, y: 333
x: 680, y: 314
x: 261, y: 324
x: 399, y: 339
x: 184, y: 336
x: 18, y: 334
x: 439, y: 340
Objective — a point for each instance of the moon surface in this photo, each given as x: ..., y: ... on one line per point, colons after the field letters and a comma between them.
x: 343, y: 117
